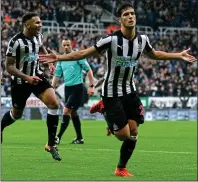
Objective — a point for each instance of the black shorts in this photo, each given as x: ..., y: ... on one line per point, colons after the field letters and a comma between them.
x: 73, y: 96
x: 85, y: 96
x: 121, y: 109
x: 21, y: 92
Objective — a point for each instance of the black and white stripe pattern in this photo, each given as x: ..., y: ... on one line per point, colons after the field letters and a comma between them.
x: 25, y: 51
x: 122, y: 55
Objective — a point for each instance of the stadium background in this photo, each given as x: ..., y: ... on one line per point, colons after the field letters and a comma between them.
x: 168, y: 89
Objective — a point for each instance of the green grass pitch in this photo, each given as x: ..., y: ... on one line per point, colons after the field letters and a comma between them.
x: 165, y: 151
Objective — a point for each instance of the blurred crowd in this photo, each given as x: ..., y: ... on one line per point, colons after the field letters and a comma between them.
x: 169, y: 78
x: 153, y: 78
x: 57, y: 10
x: 181, y: 13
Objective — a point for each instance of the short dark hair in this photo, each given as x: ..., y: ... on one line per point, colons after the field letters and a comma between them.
x: 28, y: 16
x: 122, y: 7
x: 66, y: 39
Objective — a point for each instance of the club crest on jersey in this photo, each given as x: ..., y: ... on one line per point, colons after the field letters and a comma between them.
x: 125, y: 61
x: 30, y: 57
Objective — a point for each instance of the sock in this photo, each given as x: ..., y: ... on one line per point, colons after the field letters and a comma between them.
x: 7, y: 120
x: 77, y: 126
x: 52, y: 124
x: 64, y: 125
x: 126, y: 151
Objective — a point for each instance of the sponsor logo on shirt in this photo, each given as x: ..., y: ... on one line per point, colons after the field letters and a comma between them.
x: 30, y: 57
x: 125, y: 61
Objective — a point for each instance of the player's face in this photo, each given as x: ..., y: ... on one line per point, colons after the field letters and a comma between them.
x: 67, y: 47
x: 128, y: 18
x: 34, y: 25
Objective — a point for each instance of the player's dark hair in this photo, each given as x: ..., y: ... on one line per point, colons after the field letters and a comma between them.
x: 28, y: 16
x: 66, y: 39
x: 122, y: 7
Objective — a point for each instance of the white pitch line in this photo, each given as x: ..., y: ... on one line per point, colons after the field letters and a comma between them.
x: 166, y: 152
x: 144, y: 151
x: 105, y: 150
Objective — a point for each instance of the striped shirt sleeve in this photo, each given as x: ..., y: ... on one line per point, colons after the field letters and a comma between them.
x: 40, y: 40
x: 148, y: 46
x: 12, y: 48
x: 103, y: 44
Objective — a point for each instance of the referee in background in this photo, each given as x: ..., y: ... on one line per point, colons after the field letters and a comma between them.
x: 72, y: 73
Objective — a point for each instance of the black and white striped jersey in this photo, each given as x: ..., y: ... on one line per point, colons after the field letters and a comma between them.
x: 122, y: 57
x: 26, y: 51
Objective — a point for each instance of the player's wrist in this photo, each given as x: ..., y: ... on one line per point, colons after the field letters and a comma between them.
x: 58, y: 57
x: 25, y: 77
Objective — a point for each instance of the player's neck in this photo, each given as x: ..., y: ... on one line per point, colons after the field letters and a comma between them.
x: 27, y: 34
x: 129, y: 33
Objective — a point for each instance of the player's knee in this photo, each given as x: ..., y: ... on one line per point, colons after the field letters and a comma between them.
x: 134, y: 132
x: 121, y: 137
x: 53, y: 105
x: 123, y: 134
x: 67, y: 111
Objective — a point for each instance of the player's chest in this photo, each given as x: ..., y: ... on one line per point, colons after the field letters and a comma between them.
x: 29, y: 46
x: 126, y: 48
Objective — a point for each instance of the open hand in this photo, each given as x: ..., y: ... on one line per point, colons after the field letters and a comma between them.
x: 48, y: 58
x: 187, y: 57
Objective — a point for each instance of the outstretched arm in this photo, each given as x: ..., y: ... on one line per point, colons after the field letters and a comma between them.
x: 161, y: 55
x: 73, y: 56
x: 50, y: 65
x: 78, y: 54
x: 101, y: 46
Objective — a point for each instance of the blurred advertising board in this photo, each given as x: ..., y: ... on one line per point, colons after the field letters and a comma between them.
x: 169, y: 102
x: 170, y: 114
x: 35, y: 109
x: 31, y: 102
